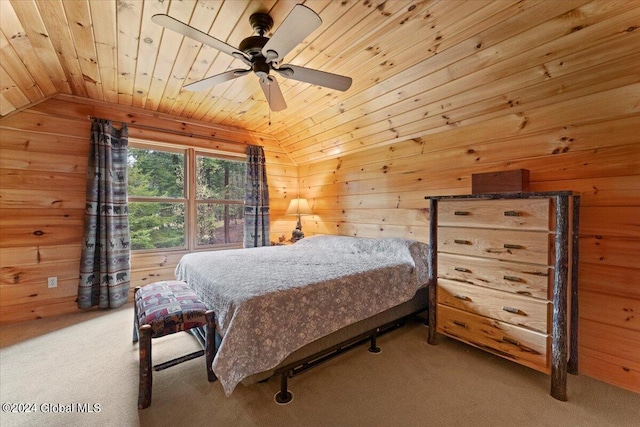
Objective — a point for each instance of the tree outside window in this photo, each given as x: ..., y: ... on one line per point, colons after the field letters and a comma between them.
x: 220, y: 201
x: 167, y: 212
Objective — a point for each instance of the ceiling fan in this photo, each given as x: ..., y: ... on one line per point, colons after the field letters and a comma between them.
x: 263, y: 54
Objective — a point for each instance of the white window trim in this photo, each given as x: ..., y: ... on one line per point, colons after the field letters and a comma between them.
x: 189, y: 199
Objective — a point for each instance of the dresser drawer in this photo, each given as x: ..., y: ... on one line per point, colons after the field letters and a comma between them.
x: 521, y: 279
x: 529, y: 214
x: 521, y: 345
x: 522, y: 311
x: 524, y: 246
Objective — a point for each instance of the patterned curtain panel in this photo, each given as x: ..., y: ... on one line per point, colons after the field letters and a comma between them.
x: 256, y: 200
x: 105, y: 268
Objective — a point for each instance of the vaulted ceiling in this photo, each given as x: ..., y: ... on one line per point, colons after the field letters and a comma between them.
x: 418, y: 67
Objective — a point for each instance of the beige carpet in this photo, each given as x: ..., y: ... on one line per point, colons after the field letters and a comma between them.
x: 87, y: 358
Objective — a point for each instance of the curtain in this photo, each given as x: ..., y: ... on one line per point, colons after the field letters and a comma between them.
x: 104, y: 267
x: 256, y: 200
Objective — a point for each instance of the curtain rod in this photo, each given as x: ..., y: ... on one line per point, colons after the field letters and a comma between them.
x: 175, y: 132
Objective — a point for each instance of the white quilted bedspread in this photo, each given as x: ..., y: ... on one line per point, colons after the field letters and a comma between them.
x: 270, y: 301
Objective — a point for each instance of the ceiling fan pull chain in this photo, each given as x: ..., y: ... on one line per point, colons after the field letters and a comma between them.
x: 269, y: 103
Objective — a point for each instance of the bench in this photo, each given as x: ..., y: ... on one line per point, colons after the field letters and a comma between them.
x: 163, y: 308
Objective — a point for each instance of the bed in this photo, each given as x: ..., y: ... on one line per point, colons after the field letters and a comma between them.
x: 275, y: 305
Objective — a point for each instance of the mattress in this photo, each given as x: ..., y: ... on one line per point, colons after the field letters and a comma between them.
x: 271, y: 301
x: 418, y: 304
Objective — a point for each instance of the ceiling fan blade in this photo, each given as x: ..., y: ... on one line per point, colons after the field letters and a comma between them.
x: 316, y: 77
x: 273, y: 93
x: 195, y: 34
x: 300, y: 22
x: 214, y: 80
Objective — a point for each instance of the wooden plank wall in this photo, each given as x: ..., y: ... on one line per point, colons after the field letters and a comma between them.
x: 594, y: 149
x: 43, y: 161
x: 590, y: 145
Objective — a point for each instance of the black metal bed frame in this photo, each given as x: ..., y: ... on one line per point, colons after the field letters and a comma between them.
x: 293, y: 369
x: 284, y: 396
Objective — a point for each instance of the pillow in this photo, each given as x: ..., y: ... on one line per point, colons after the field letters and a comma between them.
x: 331, y: 242
x: 417, y: 252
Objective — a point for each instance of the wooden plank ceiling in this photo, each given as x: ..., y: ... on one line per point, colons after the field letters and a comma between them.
x: 418, y: 67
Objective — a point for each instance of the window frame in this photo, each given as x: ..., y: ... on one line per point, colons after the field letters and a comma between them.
x: 189, y: 199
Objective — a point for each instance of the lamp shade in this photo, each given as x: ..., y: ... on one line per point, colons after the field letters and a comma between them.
x: 299, y: 207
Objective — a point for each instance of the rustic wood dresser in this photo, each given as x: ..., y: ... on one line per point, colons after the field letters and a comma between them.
x: 504, y: 277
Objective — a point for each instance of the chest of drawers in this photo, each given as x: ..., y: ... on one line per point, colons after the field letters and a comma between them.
x: 503, y: 277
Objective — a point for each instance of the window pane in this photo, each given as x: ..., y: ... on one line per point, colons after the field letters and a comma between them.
x: 219, y: 179
x: 220, y: 223
x: 155, y: 173
x: 156, y: 225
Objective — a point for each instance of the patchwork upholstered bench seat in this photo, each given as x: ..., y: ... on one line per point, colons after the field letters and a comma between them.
x: 164, y: 308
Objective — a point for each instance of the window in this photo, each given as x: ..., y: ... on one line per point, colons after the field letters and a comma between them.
x: 220, y: 200
x: 184, y: 199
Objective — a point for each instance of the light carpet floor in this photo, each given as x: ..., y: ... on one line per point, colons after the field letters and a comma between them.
x: 76, y: 361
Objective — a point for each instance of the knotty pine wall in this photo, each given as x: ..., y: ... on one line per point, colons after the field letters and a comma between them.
x: 43, y: 163
x: 590, y: 145
x: 593, y: 149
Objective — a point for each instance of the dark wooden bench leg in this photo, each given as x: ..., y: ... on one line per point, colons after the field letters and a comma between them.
x: 135, y: 316
x: 210, y: 350
x: 143, y: 335
x: 146, y: 378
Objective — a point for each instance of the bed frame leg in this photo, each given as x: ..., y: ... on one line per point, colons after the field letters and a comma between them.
x: 373, y: 348
x: 284, y: 396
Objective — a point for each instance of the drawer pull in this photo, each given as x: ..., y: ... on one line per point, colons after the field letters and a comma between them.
x: 511, y: 341
x: 512, y: 279
x: 510, y: 246
x: 512, y: 310
x: 459, y: 323
x: 461, y: 213
x: 462, y: 269
x: 512, y: 213
x: 462, y: 297
x: 462, y: 242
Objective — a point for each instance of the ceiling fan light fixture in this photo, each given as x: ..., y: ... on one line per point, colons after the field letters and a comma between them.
x: 263, y: 54
x: 260, y: 67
